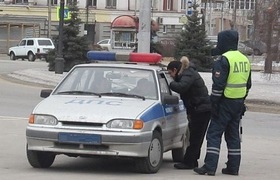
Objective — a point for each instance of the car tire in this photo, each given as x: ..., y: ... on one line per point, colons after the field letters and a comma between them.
x: 40, y: 159
x: 31, y: 56
x: 12, y: 56
x: 179, y: 153
x: 152, y: 163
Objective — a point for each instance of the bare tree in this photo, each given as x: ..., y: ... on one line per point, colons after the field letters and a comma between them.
x: 267, y: 29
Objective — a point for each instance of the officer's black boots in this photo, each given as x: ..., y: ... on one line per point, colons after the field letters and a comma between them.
x: 185, y: 166
x: 203, y: 171
x: 229, y: 172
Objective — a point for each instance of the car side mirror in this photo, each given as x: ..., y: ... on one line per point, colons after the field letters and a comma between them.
x: 45, y: 93
x: 169, y: 99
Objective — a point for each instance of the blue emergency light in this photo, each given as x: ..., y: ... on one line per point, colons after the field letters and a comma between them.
x: 101, y: 56
x: 150, y: 58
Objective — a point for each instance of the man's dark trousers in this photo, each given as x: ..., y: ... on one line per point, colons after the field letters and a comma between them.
x: 198, y: 123
x: 227, y: 122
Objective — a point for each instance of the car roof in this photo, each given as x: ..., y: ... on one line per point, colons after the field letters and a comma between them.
x: 121, y: 65
x: 39, y: 38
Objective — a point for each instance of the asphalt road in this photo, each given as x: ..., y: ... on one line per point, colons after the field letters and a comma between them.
x: 260, y: 156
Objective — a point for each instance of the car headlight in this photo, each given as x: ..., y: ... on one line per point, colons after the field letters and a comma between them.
x: 125, y: 124
x: 43, y: 119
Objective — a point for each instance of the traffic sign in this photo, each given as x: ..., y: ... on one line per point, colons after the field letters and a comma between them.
x: 66, y: 15
x: 189, y: 9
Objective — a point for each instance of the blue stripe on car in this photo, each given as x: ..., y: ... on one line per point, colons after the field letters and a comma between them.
x: 152, y: 113
x: 158, y: 111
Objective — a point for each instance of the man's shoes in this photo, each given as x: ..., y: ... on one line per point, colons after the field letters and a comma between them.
x: 184, y: 166
x: 203, y: 171
x: 229, y: 172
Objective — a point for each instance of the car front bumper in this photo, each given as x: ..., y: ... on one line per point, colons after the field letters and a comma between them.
x: 128, y: 144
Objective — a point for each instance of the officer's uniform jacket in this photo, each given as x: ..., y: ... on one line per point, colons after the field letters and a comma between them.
x: 221, y: 67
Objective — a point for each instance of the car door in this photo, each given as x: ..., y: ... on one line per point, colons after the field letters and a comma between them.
x: 29, y: 47
x: 20, y: 49
x: 175, y: 114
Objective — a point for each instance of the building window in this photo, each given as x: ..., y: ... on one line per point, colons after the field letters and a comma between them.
x: 92, y: 3
x: 154, y: 4
x: 184, y: 4
x: 71, y: 2
x: 21, y: 2
x: 247, y: 5
x: 237, y: 3
x: 231, y: 4
x: 168, y: 5
x: 124, y: 39
x: 242, y: 4
x: 253, y: 4
x: 53, y: 2
x: 111, y: 4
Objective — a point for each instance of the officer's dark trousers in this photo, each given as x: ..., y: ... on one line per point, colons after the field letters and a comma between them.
x: 227, y: 122
x: 198, y: 123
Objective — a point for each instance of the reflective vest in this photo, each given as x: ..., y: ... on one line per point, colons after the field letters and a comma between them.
x: 239, y: 71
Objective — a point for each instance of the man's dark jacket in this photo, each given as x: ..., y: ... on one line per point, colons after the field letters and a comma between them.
x: 192, y: 90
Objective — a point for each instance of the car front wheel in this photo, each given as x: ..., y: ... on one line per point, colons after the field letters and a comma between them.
x: 12, y: 56
x: 152, y: 163
x: 40, y: 159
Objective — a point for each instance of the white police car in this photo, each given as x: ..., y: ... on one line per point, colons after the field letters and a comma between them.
x: 110, y: 109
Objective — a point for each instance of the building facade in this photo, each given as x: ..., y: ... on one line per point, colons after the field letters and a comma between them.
x: 22, y: 18
x: 227, y: 14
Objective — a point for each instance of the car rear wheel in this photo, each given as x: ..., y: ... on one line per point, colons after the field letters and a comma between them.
x: 152, y: 163
x: 12, y: 56
x: 179, y: 153
x: 40, y: 159
x: 31, y: 56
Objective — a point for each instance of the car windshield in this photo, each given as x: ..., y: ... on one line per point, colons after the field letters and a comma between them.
x: 45, y: 42
x: 110, y: 81
x: 106, y: 41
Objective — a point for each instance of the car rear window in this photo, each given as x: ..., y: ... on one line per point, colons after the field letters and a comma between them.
x: 44, y: 42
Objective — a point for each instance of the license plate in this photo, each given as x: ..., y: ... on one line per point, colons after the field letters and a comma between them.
x: 79, y: 138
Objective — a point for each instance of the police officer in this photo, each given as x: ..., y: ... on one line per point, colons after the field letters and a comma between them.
x: 231, y: 77
x: 191, y: 87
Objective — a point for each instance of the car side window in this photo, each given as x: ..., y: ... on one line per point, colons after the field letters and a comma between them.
x: 30, y: 43
x: 22, y: 43
x: 164, y: 88
x: 169, y: 80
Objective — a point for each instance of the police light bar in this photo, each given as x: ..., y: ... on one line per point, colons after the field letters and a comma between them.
x: 150, y: 58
